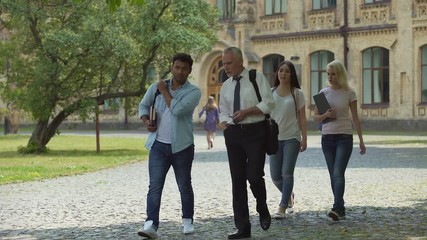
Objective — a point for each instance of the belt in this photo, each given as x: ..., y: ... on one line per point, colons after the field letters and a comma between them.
x: 248, y: 125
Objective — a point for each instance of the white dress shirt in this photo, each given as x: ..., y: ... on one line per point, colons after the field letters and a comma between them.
x: 248, y: 98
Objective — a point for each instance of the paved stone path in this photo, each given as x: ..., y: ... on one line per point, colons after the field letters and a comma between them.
x: 386, y: 198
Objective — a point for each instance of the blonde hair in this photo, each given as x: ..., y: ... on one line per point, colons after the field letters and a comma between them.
x: 211, y: 104
x: 341, y: 73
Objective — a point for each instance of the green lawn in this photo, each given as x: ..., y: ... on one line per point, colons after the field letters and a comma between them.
x: 67, y: 155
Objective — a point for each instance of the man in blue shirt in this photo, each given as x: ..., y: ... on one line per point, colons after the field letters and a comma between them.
x: 170, y: 141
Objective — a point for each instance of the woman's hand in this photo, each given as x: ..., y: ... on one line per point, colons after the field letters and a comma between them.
x: 330, y: 113
x: 303, y: 145
x: 362, y: 148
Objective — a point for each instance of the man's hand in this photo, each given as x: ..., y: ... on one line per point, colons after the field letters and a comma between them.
x: 223, y: 125
x: 150, y: 127
x: 163, y: 87
x: 238, y: 116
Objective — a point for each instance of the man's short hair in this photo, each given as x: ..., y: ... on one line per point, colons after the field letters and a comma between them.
x: 183, y: 57
x: 235, y: 51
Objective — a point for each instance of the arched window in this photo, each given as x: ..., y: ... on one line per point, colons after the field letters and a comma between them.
x: 318, y: 75
x: 216, y: 77
x: 424, y: 74
x: 270, y: 63
x: 217, y: 74
x: 376, y: 82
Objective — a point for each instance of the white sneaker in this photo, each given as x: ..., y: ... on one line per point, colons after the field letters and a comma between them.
x: 187, y: 225
x: 290, y: 210
x: 280, y: 213
x: 149, y: 230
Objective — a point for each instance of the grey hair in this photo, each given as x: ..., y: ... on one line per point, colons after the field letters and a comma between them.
x: 235, y: 51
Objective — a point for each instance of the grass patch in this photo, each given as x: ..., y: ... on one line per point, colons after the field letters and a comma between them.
x: 68, y: 155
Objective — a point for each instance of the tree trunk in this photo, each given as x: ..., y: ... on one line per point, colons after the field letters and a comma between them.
x: 43, y: 133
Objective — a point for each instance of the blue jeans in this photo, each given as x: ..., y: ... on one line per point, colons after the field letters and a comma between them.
x: 337, y: 150
x: 282, y: 166
x: 160, y: 160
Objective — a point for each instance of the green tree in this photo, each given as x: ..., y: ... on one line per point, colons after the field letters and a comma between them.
x: 66, y: 57
x: 114, y: 4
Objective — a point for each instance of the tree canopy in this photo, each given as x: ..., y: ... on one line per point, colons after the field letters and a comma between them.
x: 65, y: 57
x: 114, y: 4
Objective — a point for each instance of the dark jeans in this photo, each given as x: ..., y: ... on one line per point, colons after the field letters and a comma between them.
x: 160, y: 160
x: 337, y: 150
x: 246, y: 156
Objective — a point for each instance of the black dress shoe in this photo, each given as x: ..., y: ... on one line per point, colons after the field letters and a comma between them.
x: 265, y: 220
x: 240, y: 234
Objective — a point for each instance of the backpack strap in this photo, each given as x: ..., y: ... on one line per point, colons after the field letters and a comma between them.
x: 252, y: 78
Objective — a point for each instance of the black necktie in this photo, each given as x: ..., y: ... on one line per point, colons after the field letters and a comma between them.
x: 236, y: 105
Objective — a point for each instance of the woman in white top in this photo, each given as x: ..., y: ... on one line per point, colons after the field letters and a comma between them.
x: 290, y: 116
x: 337, y: 135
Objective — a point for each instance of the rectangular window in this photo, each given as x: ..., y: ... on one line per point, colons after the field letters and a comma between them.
x: 424, y: 74
x: 227, y: 8
x: 270, y: 65
x: 268, y: 7
x: 219, y: 5
x: 424, y: 84
x: 318, y: 75
x: 375, y: 1
x: 367, y: 93
x: 314, y: 85
x: 376, y: 83
x: 323, y: 4
x: 275, y: 7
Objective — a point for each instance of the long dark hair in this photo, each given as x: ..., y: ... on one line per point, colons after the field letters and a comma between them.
x: 294, y: 82
x: 294, y: 77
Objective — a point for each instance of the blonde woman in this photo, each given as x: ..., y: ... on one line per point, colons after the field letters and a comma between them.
x: 212, y: 119
x: 337, y: 135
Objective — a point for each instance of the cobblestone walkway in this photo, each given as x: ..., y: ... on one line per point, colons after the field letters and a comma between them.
x: 386, y: 198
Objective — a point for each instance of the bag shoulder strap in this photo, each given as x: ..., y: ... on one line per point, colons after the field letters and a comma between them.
x: 294, y: 96
x: 252, y: 78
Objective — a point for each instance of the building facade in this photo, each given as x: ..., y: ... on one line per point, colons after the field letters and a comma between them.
x: 383, y: 43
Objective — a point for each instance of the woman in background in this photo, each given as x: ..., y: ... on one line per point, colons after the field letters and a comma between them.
x: 337, y: 135
x: 212, y: 119
x: 289, y: 114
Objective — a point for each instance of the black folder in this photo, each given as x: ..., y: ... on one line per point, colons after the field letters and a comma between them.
x: 322, y: 105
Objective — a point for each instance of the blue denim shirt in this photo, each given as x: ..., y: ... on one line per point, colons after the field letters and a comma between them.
x: 184, y: 100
